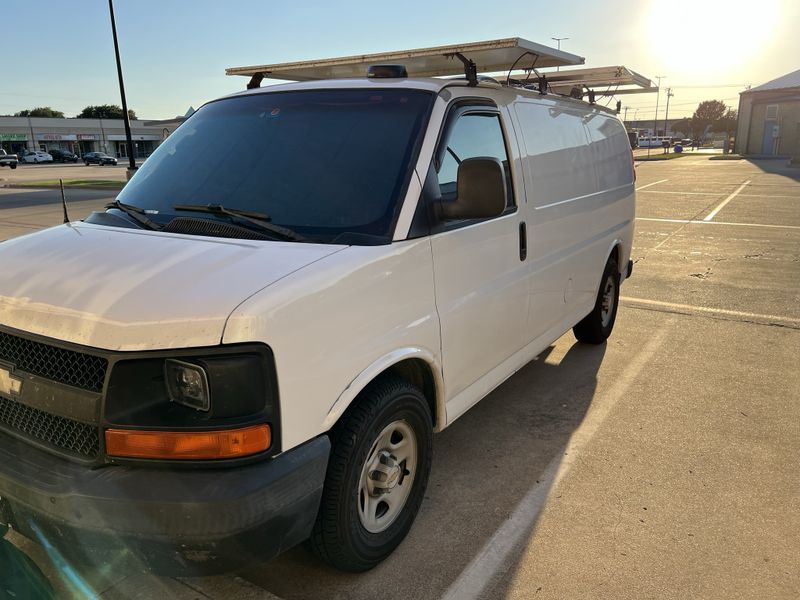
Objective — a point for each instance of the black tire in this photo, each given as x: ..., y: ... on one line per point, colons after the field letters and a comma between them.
x: 339, y: 537
x: 86, y: 162
x: 598, y: 324
x: 13, y: 165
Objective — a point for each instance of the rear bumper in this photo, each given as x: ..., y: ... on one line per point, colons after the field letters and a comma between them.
x: 168, y: 521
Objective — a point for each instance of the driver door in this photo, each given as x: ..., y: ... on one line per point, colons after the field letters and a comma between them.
x: 480, y: 267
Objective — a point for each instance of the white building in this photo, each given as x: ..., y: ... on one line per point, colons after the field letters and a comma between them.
x: 78, y: 135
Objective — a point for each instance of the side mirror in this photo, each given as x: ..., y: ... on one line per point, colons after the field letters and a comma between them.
x: 481, y: 189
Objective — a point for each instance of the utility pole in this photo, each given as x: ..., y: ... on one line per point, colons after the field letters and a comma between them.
x: 125, y: 116
x: 666, y: 115
x: 655, y: 118
x: 625, y: 116
x: 558, y: 41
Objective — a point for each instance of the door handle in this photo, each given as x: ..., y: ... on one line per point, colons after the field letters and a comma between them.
x: 523, y: 241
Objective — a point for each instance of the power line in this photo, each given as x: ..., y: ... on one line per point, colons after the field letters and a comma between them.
x: 648, y: 106
x: 722, y: 85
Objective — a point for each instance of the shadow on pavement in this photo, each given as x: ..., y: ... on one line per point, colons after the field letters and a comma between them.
x: 483, y: 465
x: 25, y: 198
x: 776, y: 167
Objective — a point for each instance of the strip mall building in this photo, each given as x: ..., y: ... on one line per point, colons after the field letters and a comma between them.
x: 78, y: 135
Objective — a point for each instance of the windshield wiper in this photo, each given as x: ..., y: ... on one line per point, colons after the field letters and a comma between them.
x: 135, y: 213
x: 259, y: 220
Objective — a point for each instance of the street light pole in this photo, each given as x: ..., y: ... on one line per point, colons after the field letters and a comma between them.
x: 666, y: 114
x: 125, y: 116
x: 655, y: 118
x: 558, y: 41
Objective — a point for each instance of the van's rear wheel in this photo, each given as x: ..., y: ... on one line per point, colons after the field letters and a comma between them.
x: 377, y: 474
x: 598, y: 324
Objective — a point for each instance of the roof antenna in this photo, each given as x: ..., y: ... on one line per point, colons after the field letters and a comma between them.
x: 63, y: 201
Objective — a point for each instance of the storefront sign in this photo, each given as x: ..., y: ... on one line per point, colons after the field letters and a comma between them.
x: 88, y: 136
x: 135, y: 137
x: 13, y: 137
x: 56, y: 137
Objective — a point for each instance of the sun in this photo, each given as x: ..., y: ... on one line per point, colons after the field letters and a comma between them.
x: 709, y: 37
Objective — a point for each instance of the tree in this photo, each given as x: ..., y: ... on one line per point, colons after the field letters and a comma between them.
x: 707, y: 115
x: 727, y: 124
x: 104, y: 111
x: 42, y: 111
x: 684, y: 127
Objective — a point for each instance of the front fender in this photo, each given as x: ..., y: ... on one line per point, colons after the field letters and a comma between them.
x: 357, y: 385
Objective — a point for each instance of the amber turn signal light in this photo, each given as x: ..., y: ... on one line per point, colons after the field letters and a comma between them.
x: 188, y: 445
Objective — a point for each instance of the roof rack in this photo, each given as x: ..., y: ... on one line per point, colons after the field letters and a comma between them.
x: 578, y: 83
x: 468, y: 59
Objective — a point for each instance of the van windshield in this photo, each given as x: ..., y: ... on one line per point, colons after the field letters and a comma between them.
x: 330, y: 165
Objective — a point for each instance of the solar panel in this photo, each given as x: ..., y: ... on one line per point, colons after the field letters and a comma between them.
x: 488, y: 57
x: 616, y: 79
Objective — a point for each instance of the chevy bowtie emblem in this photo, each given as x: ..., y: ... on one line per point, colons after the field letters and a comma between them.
x: 9, y: 385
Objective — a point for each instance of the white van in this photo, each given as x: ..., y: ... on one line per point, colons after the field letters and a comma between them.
x: 253, y: 345
x: 654, y: 142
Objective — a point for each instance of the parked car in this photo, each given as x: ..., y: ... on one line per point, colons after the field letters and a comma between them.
x: 255, y: 347
x: 98, y: 158
x: 8, y: 160
x: 36, y: 156
x: 64, y: 156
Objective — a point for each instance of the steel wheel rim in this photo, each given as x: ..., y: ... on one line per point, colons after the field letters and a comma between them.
x: 608, y: 301
x: 387, y: 477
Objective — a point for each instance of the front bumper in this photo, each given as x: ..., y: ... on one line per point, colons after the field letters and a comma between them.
x: 168, y: 521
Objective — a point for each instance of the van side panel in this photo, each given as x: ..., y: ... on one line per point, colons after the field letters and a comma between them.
x: 579, y: 180
x: 612, y: 160
x: 558, y: 172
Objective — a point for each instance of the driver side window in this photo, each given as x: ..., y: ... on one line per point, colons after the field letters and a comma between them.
x: 473, y: 135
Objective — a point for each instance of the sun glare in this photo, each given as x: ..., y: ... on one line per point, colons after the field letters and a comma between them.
x: 699, y: 37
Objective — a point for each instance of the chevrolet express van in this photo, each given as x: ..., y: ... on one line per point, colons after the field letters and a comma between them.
x: 253, y: 345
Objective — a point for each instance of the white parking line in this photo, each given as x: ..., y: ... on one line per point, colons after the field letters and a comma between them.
x: 684, y: 193
x: 722, y: 204
x: 797, y: 197
x: 493, y: 557
x: 704, y: 310
x: 651, y: 184
x: 692, y: 222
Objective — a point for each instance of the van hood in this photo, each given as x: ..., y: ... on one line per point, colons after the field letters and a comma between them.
x: 129, y: 289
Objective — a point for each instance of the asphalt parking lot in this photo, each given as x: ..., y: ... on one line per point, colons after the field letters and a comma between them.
x: 662, y: 464
x: 43, y: 172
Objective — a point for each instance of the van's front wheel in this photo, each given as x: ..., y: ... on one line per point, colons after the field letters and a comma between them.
x: 598, y: 324
x: 377, y: 474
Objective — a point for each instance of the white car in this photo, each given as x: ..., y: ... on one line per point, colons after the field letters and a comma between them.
x: 36, y: 156
x: 249, y: 349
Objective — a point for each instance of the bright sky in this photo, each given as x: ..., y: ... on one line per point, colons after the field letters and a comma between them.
x: 174, y: 52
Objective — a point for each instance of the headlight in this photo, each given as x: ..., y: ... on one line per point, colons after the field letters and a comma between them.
x: 187, y: 384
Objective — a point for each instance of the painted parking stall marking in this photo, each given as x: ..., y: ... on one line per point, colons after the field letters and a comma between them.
x: 651, y: 184
x: 722, y: 204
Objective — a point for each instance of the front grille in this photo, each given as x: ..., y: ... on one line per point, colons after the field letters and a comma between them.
x: 79, y: 370
x: 62, y: 433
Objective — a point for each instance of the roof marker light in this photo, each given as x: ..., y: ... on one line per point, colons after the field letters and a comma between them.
x: 386, y: 72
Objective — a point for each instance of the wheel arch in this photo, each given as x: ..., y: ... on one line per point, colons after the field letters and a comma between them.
x: 615, y: 249
x: 416, y: 365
